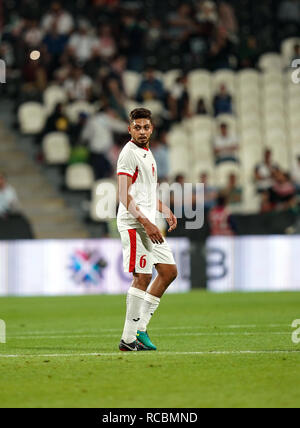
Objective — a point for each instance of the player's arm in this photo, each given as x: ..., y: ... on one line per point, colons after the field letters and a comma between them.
x: 125, y: 183
x: 169, y: 216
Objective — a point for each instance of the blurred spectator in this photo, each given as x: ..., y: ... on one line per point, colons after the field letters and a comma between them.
x: 132, y: 42
x: 283, y: 192
x: 296, y: 53
x: 58, y: 17
x: 55, y: 44
x: 222, y: 102
x: 9, y: 203
x: 78, y: 85
x: 227, y: 18
x: 104, y: 45
x: 160, y: 150
x: 99, y: 135
x: 180, y: 22
x: 264, y: 173
x: 33, y: 35
x: 35, y: 79
x: 225, y: 146
x: 177, y: 198
x: 56, y: 122
x: 249, y: 52
x: 151, y: 88
x: 81, y: 43
x: 79, y: 154
x: 178, y: 100
x: 289, y: 11
x: 233, y: 191
x: 207, y: 12
x: 219, y: 218
x: 296, y: 174
x: 210, y: 192
x: 221, y: 50
x: 201, y: 107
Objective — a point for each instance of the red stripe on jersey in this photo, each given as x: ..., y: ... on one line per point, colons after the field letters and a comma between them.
x: 132, y: 236
x: 123, y: 173
x: 135, y: 175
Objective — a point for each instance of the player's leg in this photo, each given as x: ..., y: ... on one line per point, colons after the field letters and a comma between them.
x: 167, y: 273
x: 138, y: 260
x: 134, y: 302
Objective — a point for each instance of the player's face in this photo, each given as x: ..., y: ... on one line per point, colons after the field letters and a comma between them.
x: 141, y: 131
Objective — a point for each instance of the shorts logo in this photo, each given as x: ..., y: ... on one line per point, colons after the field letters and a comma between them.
x: 143, y: 262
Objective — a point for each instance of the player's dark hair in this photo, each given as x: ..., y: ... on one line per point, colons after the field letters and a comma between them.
x: 140, y: 113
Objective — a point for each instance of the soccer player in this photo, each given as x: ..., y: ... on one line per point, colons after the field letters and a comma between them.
x: 143, y: 243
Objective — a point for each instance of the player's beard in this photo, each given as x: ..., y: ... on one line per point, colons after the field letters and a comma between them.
x: 142, y: 142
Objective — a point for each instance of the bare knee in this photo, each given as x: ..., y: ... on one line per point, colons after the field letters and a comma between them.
x: 142, y: 281
x: 173, y: 273
x: 168, y: 274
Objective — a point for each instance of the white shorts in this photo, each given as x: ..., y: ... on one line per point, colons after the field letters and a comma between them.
x: 140, y: 254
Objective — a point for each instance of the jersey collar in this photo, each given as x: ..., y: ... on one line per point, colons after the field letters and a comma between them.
x: 142, y: 148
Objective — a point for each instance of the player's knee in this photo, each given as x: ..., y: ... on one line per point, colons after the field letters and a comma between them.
x: 143, y: 280
x: 170, y: 274
x: 173, y: 273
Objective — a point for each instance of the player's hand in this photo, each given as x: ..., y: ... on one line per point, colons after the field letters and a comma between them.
x: 154, y: 233
x: 172, y: 222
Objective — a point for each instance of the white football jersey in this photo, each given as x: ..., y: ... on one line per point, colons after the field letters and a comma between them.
x: 139, y: 164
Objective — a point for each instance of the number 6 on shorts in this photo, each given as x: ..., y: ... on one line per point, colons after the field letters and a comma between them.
x: 143, y: 262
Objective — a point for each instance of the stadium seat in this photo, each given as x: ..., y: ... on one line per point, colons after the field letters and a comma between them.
x: 155, y: 106
x: 132, y: 81
x: 248, y: 79
x: 250, y: 155
x: 54, y: 95
x: 32, y: 118
x: 226, y: 77
x: 74, y: 109
x: 231, y: 122
x: 273, y: 77
x: 104, y: 200
x: 249, y: 120
x: 199, y: 86
x: 56, y: 148
x: 177, y: 137
x: 281, y: 154
x: 287, y: 50
x: 200, y: 146
x: 270, y: 62
x: 131, y: 105
x: 179, y: 160
x: 199, y: 124
x: 79, y: 177
x: 224, y: 170
x: 169, y: 78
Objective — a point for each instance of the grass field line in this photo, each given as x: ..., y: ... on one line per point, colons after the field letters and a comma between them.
x: 87, y: 336
x: 114, y: 354
x: 19, y: 332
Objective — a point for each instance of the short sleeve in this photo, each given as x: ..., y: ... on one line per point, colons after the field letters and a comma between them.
x: 126, y: 164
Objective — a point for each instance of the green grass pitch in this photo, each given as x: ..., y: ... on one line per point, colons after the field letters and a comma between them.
x: 63, y: 352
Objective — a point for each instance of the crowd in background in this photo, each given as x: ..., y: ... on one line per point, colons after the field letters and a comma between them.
x: 86, y: 47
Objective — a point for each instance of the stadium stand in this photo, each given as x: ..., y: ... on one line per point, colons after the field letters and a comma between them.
x: 130, y: 61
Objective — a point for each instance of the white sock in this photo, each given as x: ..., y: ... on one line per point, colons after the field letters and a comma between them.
x: 149, y: 306
x: 134, y: 302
